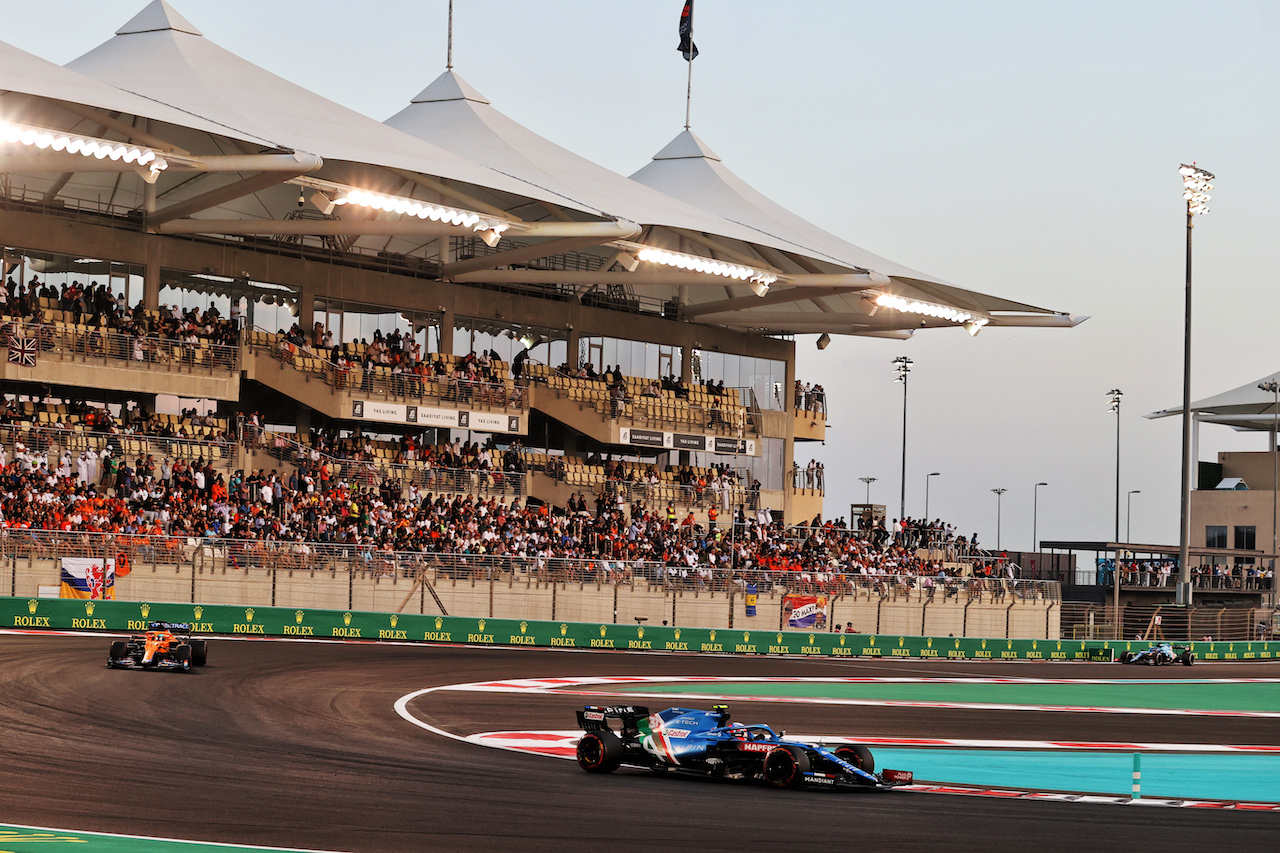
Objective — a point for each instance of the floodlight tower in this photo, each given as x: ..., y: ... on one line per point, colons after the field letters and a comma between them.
x: 1196, y: 183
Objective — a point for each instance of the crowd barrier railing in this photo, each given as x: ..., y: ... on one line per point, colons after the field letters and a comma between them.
x: 102, y: 346
x: 383, y: 383
x: 221, y: 556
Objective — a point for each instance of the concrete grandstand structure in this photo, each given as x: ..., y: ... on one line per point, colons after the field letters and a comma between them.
x: 186, y: 178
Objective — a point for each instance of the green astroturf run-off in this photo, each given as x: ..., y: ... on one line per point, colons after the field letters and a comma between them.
x: 1191, y: 694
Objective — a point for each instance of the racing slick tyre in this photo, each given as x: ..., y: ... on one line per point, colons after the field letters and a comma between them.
x: 1126, y: 657
x: 1187, y: 658
x: 857, y: 755
x: 600, y: 752
x: 119, y: 649
x: 785, y: 766
x: 199, y: 652
x: 182, y: 655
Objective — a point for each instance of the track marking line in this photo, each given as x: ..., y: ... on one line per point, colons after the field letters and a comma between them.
x: 561, y: 686
x: 161, y: 838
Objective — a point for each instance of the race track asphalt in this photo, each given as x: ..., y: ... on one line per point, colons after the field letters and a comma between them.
x: 298, y: 745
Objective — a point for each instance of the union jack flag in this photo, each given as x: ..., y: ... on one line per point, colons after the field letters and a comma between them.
x: 22, y: 351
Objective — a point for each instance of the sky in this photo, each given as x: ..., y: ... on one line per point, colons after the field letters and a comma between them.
x: 1025, y: 150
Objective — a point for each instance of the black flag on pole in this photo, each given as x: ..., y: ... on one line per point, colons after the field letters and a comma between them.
x: 687, y: 47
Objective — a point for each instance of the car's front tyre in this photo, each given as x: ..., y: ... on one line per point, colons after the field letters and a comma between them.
x: 1126, y: 657
x: 600, y: 752
x: 1187, y: 658
x: 119, y: 649
x: 785, y: 766
x: 199, y: 652
x: 857, y: 755
x: 183, y: 657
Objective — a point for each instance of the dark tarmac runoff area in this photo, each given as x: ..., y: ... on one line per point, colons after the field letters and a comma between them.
x: 298, y: 745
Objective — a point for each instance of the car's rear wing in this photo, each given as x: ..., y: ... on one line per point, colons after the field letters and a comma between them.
x: 169, y: 626
x: 595, y: 718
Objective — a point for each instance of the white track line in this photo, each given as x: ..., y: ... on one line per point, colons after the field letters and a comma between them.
x: 568, y: 687
x: 527, y: 745
x: 88, y: 832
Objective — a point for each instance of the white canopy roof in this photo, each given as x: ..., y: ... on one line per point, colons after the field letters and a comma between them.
x: 689, y: 170
x: 23, y: 74
x: 160, y: 55
x: 454, y: 115
x: 1246, y: 408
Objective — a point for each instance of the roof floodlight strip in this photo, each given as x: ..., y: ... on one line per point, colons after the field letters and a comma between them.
x: 86, y: 146
x: 930, y: 309
x: 697, y: 263
x: 338, y: 194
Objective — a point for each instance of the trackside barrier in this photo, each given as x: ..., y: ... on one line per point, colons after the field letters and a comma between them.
x: 124, y: 616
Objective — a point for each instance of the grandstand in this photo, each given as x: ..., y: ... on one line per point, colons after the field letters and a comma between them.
x: 256, y: 279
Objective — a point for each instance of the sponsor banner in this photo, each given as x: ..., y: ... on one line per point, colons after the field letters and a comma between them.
x: 132, y: 616
x: 645, y: 437
x: 429, y: 416
x: 84, y: 577
x: 683, y: 441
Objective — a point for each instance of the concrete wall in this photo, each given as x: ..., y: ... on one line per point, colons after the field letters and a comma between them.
x: 522, y: 598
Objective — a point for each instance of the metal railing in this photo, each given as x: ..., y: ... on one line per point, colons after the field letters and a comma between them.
x: 56, y: 441
x: 1147, y: 623
x: 221, y: 556
x: 384, y: 384
x: 491, y: 482
x: 1244, y: 577
x: 661, y: 412
x: 103, y: 347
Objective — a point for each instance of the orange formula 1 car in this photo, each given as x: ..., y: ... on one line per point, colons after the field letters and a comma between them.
x: 166, y: 645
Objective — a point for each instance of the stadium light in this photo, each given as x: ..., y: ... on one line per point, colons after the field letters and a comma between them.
x: 1113, y: 406
x: 1273, y: 388
x: 86, y: 146
x: 1196, y: 183
x: 973, y: 323
x: 760, y: 279
x: 330, y: 195
x: 902, y: 365
x: 999, y: 512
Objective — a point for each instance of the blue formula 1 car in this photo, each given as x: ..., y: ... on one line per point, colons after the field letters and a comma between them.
x: 706, y: 743
x: 1159, y: 654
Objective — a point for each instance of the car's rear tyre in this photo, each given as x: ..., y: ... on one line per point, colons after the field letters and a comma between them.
x: 119, y: 649
x: 600, y: 752
x: 182, y: 655
x: 1187, y: 658
x: 199, y: 652
x: 1126, y: 657
x: 785, y: 766
x: 857, y: 755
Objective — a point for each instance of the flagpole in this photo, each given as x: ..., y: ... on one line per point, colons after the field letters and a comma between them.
x: 688, y: 93
x: 449, y: 60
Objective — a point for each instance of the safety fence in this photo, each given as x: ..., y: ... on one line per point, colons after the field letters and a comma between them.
x: 220, y: 555
x: 1147, y: 622
x: 120, y: 616
x: 326, y: 575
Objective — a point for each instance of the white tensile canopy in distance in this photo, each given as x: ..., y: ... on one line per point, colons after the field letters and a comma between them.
x: 1246, y: 408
